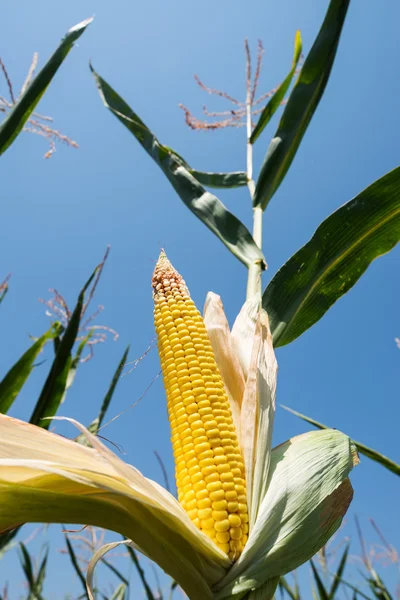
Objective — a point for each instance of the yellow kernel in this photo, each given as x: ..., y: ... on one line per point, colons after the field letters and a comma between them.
x: 223, y: 468
x: 198, y: 432
x: 220, y: 505
x: 207, y: 523
x: 230, y: 495
x: 196, y: 477
x: 206, y: 462
x: 209, y: 470
x: 209, y: 533
x: 215, y: 486
x: 192, y: 464
x: 197, y: 424
x: 244, y: 517
x: 217, y: 494
x: 202, y: 448
x: 245, y: 528
x: 191, y: 408
x: 219, y: 515
x: 191, y: 505
x: 226, y: 476
x: 218, y: 452
x: 190, y: 496
x: 232, y: 507
x: 242, y: 508
x: 236, y: 533
x: 219, y: 460
x: 235, y: 521
x: 224, y: 547
x: 192, y: 513
x: 205, y: 503
x: 212, y: 433
x: 212, y: 477
x: 235, y: 545
x: 199, y: 486
x: 205, y: 513
x: 201, y: 494
x: 223, y: 537
x: 222, y: 525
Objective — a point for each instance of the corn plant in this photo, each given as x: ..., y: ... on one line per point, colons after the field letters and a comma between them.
x: 247, y: 513
x: 342, y: 247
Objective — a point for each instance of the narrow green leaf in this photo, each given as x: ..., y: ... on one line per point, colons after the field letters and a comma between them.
x: 13, y: 381
x: 372, y: 454
x: 302, y: 104
x: 120, y: 592
x: 338, y: 575
x: 147, y: 588
x: 322, y: 593
x: 220, y: 180
x: 3, y: 293
x: 54, y: 387
x: 207, y: 207
x: 96, y: 424
x: 77, y: 568
x: 42, y: 571
x: 334, y: 259
x: 26, y: 564
x: 17, y: 117
x: 280, y: 93
x: 283, y: 585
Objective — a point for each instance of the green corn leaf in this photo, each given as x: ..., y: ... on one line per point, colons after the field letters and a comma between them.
x: 96, y: 424
x: 17, y: 117
x: 13, y: 381
x: 280, y: 93
x: 302, y: 104
x: 56, y: 382
x: 3, y: 293
x: 42, y: 571
x: 322, y: 593
x: 120, y: 592
x: 216, y: 180
x: 284, y: 586
x: 339, y: 573
x: 76, y: 566
x: 33, y: 584
x: 362, y: 449
x: 207, y: 207
x: 333, y: 260
x: 26, y: 564
x: 141, y: 573
x: 115, y: 571
x: 220, y: 180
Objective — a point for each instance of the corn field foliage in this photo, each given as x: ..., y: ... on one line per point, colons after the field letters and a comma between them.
x: 297, y: 296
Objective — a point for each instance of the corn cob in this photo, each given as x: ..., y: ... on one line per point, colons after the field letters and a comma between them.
x: 209, y: 467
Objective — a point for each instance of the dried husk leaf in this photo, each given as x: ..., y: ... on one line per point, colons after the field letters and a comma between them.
x: 308, y: 494
x: 47, y: 478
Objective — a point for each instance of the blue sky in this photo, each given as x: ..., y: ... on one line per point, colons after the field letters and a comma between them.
x: 58, y: 215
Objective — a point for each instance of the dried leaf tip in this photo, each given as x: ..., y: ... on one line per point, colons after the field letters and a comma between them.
x: 166, y: 279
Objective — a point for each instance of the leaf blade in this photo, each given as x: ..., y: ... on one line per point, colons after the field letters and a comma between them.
x: 207, y: 207
x: 280, y: 93
x: 55, y: 385
x: 17, y: 117
x: 339, y: 252
x: 302, y: 103
x: 221, y: 180
x: 13, y: 381
x: 362, y: 449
